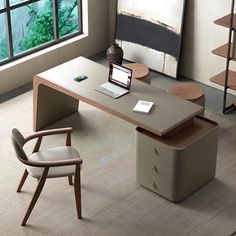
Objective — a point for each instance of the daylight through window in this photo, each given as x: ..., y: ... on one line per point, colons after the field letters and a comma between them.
x: 27, y: 26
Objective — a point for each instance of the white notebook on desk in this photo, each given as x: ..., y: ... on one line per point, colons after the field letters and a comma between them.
x: 143, y: 106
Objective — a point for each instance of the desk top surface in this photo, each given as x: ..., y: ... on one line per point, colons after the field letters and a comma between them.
x: 168, y: 112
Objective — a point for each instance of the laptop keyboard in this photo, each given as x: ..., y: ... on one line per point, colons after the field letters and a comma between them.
x: 108, y: 92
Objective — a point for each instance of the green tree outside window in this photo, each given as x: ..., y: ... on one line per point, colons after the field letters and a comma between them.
x: 41, y: 25
x: 3, y: 49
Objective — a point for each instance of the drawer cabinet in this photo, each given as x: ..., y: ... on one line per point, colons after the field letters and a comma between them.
x: 175, y: 166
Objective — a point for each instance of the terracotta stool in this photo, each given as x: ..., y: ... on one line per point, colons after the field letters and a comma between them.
x: 189, y: 91
x: 140, y: 72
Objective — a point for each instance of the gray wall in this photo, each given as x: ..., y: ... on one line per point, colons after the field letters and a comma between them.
x: 200, y: 37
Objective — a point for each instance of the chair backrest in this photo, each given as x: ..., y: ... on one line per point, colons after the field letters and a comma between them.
x: 18, y: 142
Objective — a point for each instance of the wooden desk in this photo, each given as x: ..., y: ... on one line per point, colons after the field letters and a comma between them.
x: 171, y: 165
x: 56, y: 95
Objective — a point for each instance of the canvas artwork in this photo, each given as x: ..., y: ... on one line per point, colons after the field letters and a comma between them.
x: 149, y: 32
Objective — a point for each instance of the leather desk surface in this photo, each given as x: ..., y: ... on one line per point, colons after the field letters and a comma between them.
x: 168, y: 112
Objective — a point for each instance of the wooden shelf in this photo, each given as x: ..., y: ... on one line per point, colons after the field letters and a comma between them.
x: 223, y: 50
x: 225, y: 21
x: 220, y: 79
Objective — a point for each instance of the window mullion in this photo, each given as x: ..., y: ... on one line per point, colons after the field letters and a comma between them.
x: 56, y: 19
x: 9, y: 30
x: 16, y: 5
x: 80, y: 16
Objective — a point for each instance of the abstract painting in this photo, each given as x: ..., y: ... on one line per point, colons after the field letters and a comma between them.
x: 149, y: 32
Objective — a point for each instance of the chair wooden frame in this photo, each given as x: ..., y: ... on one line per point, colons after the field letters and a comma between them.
x: 77, y: 162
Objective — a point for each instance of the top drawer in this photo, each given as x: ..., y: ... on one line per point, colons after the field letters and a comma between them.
x: 170, y: 148
x: 159, y: 151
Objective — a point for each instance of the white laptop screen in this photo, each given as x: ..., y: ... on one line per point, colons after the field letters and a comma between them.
x: 120, y: 75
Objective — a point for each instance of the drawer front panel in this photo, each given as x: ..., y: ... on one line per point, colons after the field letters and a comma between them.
x: 155, y: 175
x: 156, y: 149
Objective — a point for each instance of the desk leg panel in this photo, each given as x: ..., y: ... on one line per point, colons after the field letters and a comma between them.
x: 51, y: 105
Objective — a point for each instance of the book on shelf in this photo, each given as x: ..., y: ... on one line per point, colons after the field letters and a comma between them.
x: 143, y: 106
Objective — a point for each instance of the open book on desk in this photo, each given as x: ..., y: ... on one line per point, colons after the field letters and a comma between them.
x: 143, y: 106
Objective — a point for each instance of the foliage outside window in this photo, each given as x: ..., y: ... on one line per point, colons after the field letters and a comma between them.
x: 28, y: 26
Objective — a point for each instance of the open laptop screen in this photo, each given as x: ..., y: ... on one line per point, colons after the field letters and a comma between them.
x: 120, y: 75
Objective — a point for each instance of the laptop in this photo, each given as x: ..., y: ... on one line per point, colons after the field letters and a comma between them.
x: 119, y: 81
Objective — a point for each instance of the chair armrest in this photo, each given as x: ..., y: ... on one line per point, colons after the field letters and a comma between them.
x: 38, y: 134
x: 41, y: 134
x: 74, y: 161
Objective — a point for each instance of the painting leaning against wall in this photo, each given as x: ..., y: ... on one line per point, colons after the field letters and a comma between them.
x: 150, y: 32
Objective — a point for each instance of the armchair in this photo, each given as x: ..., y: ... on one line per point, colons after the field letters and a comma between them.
x: 51, y: 163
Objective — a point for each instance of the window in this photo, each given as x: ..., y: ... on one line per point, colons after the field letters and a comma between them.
x: 27, y: 26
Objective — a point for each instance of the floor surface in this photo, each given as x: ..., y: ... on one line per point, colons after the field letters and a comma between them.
x: 113, y: 204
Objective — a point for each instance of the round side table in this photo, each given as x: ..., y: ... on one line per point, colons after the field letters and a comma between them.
x: 140, y: 72
x: 188, y: 91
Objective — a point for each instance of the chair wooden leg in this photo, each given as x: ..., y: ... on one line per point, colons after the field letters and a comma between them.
x: 70, y: 179
x: 36, y: 195
x: 77, y: 188
x: 23, y: 178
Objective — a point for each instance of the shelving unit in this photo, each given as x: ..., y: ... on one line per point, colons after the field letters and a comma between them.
x: 227, y: 78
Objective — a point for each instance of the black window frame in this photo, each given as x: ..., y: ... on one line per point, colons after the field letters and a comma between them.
x: 7, y: 8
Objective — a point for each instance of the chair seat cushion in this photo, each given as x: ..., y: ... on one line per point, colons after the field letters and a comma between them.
x: 54, y: 154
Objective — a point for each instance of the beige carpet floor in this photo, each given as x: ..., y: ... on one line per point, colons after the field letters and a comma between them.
x: 112, y: 202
